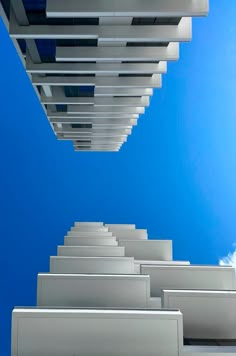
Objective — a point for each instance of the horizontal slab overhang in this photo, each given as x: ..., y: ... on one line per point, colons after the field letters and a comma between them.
x: 209, y: 350
x: 137, y: 234
x: 148, y: 249
x: 189, y: 277
x: 149, y: 8
x: 94, y: 332
x: 111, y: 133
x: 94, y: 142
x: 111, y: 33
x: 96, y: 128
x: 164, y: 263
x: 99, y: 82
x: 119, y: 139
x: 116, y: 265
x: 70, y: 128
x: 89, y: 223
x: 97, y: 150
x: 98, y: 145
x: 101, y: 140
x: 115, y: 227
x: 207, y: 314
x: 81, y: 109
x: 83, y: 54
x: 123, y: 92
x: 109, y: 149
x: 139, y: 263
x: 84, y: 241
x: 95, y: 115
x: 103, y: 136
x: 90, y: 251
x: 93, y: 290
x: 95, y: 102
x: 96, y: 122
x: 95, y: 131
x: 87, y: 229
x: 96, y: 68
x: 78, y: 233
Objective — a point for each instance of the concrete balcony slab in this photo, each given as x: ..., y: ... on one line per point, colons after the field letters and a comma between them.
x: 41, y: 332
x: 90, y: 241
x: 148, y: 249
x: 91, y: 251
x: 116, y: 265
x: 207, y: 314
x: 93, y: 290
x: 189, y: 277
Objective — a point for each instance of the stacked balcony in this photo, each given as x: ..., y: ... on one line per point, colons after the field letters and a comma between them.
x: 126, y: 296
x: 94, y: 64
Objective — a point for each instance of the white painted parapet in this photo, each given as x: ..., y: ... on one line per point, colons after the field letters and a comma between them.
x: 93, y: 290
x: 90, y: 241
x: 91, y: 251
x: 148, y: 249
x: 189, y: 277
x: 207, y: 314
x: 60, y: 332
x: 116, y: 265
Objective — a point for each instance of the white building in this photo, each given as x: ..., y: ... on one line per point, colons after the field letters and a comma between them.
x: 111, y: 291
x: 94, y: 64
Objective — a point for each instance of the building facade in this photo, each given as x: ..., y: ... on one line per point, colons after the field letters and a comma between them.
x: 112, y: 291
x: 94, y: 64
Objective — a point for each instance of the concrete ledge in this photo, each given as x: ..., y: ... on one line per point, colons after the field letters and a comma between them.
x: 139, y: 263
x: 114, y: 227
x: 91, y: 251
x: 90, y: 241
x: 89, y: 228
x: 137, y: 234
x: 207, y: 314
x: 93, y: 290
x: 88, y: 233
x: 148, y: 249
x: 189, y: 277
x: 95, y: 332
x: 117, y: 265
x: 209, y: 351
x: 92, y: 223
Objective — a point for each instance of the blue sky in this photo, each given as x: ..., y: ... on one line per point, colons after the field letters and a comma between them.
x: 175, y: 176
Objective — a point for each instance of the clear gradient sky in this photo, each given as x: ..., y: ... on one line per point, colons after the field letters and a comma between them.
x: 176, y: 175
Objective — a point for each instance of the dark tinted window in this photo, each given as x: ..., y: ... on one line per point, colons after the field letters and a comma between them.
x: 76, y: 42
x: 84, y: 147
x: 135, y: 75
x: 81, y: 126
x: 22, y: 45
x: 38, y: 17
x: 83, y: 141
x: 79, y: 91
x: 69, y: 75
x: 61, y: 108
x: 210, y: 342
x: 147, y: 44
x: 140, y: 62
x: 6, y: 7
x: 155, y: 21
x: 46, y: 49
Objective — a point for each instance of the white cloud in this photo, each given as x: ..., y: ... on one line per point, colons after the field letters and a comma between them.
x: 230, y: 259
